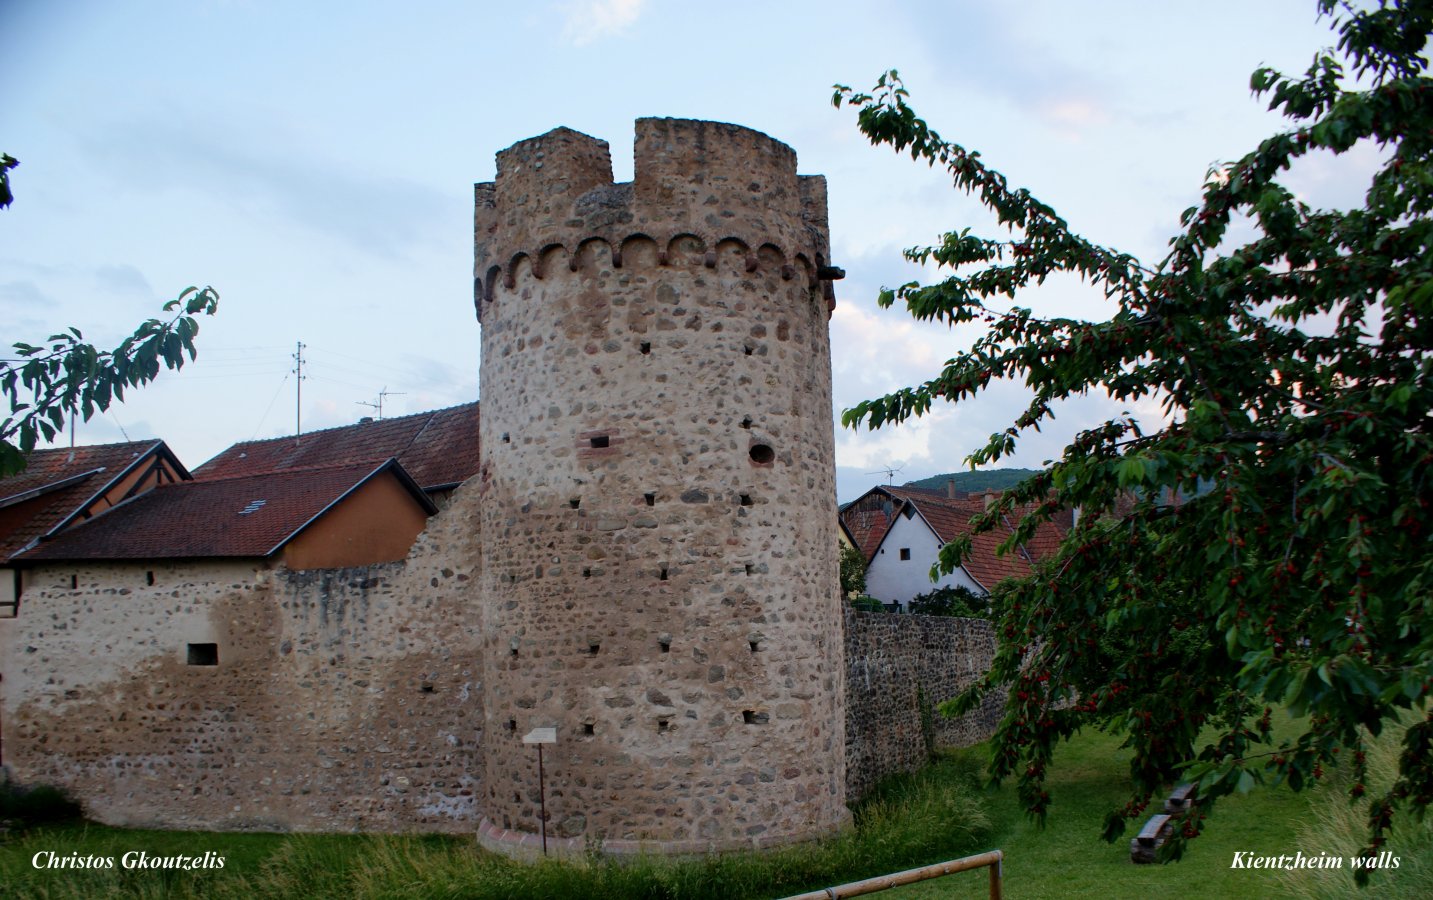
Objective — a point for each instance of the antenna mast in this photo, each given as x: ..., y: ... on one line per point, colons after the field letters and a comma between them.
x: 298, y: 389
x: 379, y: 405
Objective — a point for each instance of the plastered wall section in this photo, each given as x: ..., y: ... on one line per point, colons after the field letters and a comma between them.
x: 892, y: 579
x: 342, y: 699
x: 895, y: 666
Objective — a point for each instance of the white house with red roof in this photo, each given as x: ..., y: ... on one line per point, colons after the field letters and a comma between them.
x: 901, y: 531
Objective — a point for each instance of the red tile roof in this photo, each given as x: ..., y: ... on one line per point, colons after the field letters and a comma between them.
x: 438, y: 448
x: 244, y: 516
x: 950, y: 518
x: 867, y: 527
x: 59, y: 482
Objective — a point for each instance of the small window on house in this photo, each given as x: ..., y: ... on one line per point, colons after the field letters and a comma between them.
x: 149, y: 578
x: 599, y: 441
x: 74, y: 582
x: 905, y: 553
x: 203, y: 655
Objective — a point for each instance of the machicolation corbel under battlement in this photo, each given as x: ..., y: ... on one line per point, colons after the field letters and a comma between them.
x: 698, y: 183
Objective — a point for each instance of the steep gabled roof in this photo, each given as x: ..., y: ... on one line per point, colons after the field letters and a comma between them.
x: 950, y: 518
x: 59, y: 485
x: 439, y: 449
x: 867, y: 528
x: 243, y: 516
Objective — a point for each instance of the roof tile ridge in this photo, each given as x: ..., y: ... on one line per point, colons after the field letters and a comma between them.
x: 368, y: 465
x: 331, y: 428
x: 432, y: 415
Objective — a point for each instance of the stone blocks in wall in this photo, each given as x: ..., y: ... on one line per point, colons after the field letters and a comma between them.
x: 896, y: 663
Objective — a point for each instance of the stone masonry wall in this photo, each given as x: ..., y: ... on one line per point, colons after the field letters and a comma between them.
x: 342, y: 699
x: 896, y: 663
x: 658, y: 496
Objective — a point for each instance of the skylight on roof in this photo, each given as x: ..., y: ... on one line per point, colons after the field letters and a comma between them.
x: 254, y: 506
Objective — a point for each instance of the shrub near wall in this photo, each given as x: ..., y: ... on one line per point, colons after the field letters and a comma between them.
x: 898, y: 669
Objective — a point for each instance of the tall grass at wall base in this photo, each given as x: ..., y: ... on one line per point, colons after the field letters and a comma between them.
x: 911, y: 820
x: 1339, y: 826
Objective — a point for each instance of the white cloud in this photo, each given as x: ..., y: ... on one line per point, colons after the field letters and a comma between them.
x: 591, y: 20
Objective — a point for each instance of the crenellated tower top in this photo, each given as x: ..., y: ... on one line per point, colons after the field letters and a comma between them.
x: 709, y: 180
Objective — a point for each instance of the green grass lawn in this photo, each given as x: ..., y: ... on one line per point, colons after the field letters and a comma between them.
x: 1069, y: 859
x: 941, y: 814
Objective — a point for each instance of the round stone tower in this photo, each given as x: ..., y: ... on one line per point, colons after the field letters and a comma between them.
x: 658, y: 513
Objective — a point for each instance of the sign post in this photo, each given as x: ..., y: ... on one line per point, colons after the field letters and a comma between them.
x: 540, y: 736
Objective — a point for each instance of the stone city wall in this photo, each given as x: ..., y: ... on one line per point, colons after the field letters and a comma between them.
x: 895, y: 664
x: 334, y: 700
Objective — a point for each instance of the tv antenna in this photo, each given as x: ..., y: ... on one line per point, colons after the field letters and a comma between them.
x: 888, y: 472
x: 379, y: 405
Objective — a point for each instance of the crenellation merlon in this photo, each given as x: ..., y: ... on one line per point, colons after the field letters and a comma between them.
x: 711, y: 180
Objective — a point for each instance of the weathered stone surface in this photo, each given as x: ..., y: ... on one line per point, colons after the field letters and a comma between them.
x: 623, y: 568
x: 644, y: 297
x: 343, y: 699
x: 894, y: 666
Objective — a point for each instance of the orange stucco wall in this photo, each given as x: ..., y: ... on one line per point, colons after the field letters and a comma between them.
x: 376, y: 523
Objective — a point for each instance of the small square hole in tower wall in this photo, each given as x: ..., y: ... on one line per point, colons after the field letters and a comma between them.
x: 650, y: 498
x: 646, y: 347
x: 664, y: 725
x: 597, y: 442
x: 202, y: 655
x: 745, y: 499
x: 589, y: 729
x: 149, y: 578
x: 575, y: 502
x: 662, y: 574
x: 753, y: 717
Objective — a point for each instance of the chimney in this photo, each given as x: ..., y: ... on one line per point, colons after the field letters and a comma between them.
x: 990, y: 496
x: 950, y: 489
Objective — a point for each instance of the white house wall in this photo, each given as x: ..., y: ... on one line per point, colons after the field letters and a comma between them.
x: 891, y: 579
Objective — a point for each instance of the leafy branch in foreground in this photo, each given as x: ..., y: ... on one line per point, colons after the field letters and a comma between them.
x: 1294, y: 374
x: 65, y: 376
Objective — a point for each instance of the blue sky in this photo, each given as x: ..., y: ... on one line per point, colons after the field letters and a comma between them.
x: 315, y: 161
